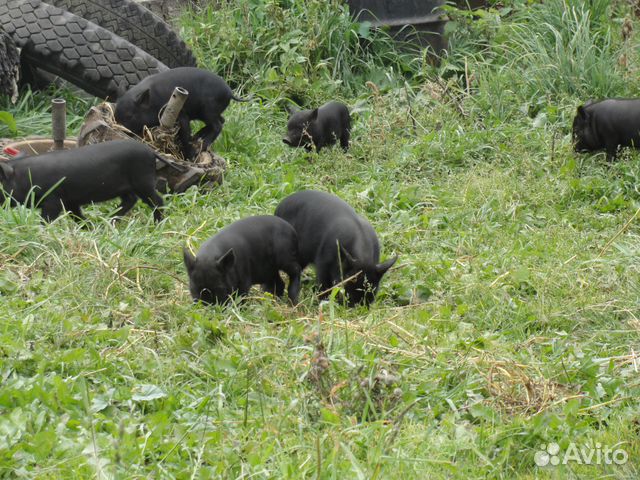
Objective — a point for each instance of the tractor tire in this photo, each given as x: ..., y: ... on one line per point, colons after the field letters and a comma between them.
x: 96, y: 60
x: 136, y: 24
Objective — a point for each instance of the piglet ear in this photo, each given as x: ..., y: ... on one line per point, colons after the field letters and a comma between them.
x: 227, y: 260
x: 382, y: 268
x: 291, y: 109
x: 582, y: 113
x: 143, y: 97
x: 189, y: 260
x: 314, y: 114
x: 346, y: 257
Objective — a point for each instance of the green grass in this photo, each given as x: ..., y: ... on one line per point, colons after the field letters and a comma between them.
x: 510, y: 321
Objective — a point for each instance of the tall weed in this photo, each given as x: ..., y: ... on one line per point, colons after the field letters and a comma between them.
x: 523, y: 56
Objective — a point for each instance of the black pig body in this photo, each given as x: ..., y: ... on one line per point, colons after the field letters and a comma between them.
x: 94, y: 173
x: 340, y: 243
x: 607, y: 124
x: 320, y: 127
x: 209, y: 96
x: 250, y: 251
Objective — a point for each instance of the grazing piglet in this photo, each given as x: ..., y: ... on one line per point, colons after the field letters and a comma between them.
x: 250, y: 251
x: 209, y: 96
x: 320, y: 127
x: 94, y: 173
x: 607, y: 124
x: 337, y: 241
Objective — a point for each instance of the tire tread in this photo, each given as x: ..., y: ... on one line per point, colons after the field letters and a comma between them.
x: 81, y: 52
x: 134, y: 23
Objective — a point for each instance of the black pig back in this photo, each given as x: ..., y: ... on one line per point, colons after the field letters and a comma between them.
x: 320, y: 219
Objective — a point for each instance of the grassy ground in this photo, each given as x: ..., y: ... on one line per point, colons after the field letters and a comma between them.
x: 511, y: 321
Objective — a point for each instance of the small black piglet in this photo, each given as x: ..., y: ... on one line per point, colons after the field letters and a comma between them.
x: 72, y: 178
x: 209, y: 96
x: 340, y: 243
x: 247, y: 252
x: 607, y: 124
x: 320, y: 127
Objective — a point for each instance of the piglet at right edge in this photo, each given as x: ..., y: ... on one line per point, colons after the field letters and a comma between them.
x: 250, y: 251
x: 320, y: 127
x: 607, y: 125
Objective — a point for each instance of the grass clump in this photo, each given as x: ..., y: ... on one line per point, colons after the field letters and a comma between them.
x: 289, y: 49
x: 527, y: 58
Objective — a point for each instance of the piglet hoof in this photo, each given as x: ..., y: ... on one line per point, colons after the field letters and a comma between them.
x: 162, y: 185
